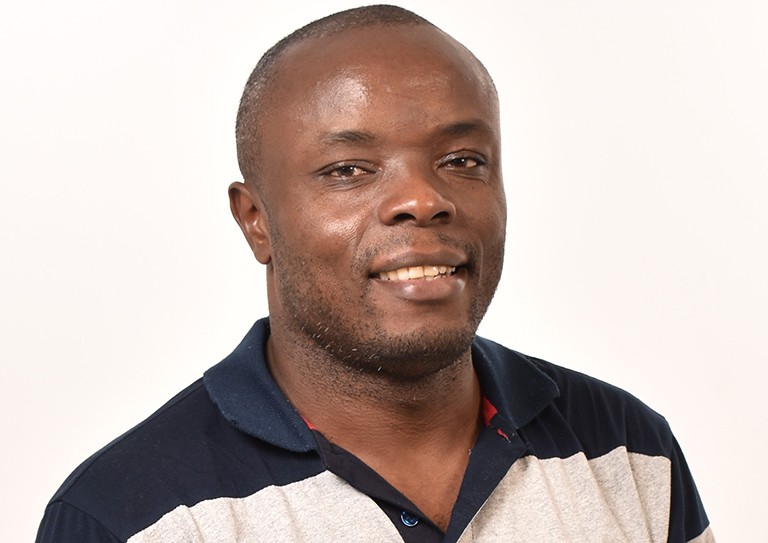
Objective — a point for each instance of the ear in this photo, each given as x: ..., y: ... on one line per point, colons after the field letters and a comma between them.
x: 248, y: 210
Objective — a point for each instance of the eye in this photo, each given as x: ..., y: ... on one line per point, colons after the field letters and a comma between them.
x: 344, y: 170
x: 347, y: 170
x: 463, y: 161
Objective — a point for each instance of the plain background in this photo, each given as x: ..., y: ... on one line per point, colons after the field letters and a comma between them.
x: 635, y: 160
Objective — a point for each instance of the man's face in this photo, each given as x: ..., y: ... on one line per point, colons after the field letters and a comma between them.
x: 381, y: 179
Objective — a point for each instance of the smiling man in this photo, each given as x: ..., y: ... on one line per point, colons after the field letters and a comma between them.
x: 364, y: 408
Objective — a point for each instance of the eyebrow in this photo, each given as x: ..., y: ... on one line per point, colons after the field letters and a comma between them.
x: 464, y: 128
x: 346, y: 136
x: 457, y: 129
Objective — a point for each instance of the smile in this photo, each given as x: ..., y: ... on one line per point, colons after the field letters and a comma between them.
x: 417, y: 272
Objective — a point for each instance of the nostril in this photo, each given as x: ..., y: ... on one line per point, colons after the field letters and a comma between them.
x: 405, y: 217
x: 402, y: 217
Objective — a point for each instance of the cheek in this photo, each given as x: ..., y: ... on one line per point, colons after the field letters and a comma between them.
x: 489, y: 218
x: 336, y: 230
x: 324, y: 231
x: 500, y: 222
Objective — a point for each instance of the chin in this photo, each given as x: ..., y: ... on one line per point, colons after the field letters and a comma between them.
x: 408, y: 356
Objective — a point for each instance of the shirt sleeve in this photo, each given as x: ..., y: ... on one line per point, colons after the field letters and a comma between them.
x: 688, y: 522
x: 63, y: 523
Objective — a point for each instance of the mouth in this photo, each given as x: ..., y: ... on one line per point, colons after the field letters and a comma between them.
x: 424, y: 273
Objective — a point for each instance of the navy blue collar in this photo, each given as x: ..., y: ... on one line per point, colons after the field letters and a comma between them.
x: 247, y: 396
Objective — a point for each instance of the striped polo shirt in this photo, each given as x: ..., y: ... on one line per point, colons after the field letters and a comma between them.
x: 562, y: 457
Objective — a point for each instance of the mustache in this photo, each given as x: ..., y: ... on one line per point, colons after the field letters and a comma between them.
x: 405, y: 240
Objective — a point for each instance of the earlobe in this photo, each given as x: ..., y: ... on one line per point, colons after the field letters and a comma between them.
x: 248, y: 210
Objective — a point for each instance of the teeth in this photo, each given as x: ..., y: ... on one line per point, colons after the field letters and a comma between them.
x: 417, y: 272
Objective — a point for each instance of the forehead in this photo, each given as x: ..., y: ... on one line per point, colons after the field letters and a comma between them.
x: 391, y: 67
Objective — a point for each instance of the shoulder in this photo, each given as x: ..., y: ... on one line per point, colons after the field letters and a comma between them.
x: 582, y: 392
x: 626, y: 447
x: 597, y: 416
x: 187, y: 452
x: 609, y: 414
x: 137, y: 477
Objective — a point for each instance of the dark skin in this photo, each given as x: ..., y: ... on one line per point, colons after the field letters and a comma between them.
x: 380, y: 158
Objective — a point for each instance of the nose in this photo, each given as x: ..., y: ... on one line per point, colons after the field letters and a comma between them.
x: 418, y: 198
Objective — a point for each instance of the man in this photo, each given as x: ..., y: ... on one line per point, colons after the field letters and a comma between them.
x: 364, y: 408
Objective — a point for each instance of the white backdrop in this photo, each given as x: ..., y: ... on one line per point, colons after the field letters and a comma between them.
x: 636, y: 164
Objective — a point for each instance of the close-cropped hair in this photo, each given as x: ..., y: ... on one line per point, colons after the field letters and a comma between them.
x: 247, y: 127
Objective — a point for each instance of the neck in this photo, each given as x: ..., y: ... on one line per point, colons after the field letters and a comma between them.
x: 399, y: 427
x: 440, y: 409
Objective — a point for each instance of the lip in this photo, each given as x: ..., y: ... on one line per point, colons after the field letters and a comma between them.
x: 439, y: 290
x: 443, y: 256
x: 436, y: 290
